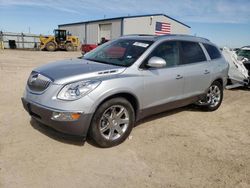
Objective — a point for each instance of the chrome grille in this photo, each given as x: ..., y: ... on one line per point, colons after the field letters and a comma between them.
x: 38, y: 82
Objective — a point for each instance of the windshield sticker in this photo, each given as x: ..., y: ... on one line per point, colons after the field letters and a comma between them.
x: 144, y: 45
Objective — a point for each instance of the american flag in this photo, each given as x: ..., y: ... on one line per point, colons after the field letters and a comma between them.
x: 162, y: 28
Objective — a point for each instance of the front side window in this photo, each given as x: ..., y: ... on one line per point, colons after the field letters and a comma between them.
x: 212, y: 51
x: 122, y: 52
x: 191, y: 53
x: 169, y: 51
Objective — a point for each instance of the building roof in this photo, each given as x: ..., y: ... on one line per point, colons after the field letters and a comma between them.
x: 122, y: 17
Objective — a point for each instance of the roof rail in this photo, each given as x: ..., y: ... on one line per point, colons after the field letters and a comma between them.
x: 184, y: 35
x: 139, y: 35
x: 160, y: 36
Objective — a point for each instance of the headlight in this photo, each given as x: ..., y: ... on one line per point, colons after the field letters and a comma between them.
x: 77, y: 90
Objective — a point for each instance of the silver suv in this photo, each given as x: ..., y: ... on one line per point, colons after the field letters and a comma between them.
x: 106, y: 91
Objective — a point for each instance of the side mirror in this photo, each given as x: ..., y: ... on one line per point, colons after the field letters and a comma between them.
x: 156, y: 62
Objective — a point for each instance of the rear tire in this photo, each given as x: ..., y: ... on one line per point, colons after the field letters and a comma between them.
x: 213, y: 98
x: 112, y: 122
x: 51, y: 46
x: 69, y: 47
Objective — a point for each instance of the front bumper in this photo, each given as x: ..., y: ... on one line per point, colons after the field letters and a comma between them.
x: 43, y: 114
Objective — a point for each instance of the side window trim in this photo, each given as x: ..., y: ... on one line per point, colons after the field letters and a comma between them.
x: 205, y: 52
x: 142, y: 65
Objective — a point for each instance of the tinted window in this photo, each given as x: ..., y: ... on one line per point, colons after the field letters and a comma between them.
x: 213, y: 52
x: 244, y: 53
x: 192, y: 53
x: 168, y: 51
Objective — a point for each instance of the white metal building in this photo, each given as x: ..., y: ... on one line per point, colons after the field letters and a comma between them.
x: 21, y: 40
x: 91, y: 32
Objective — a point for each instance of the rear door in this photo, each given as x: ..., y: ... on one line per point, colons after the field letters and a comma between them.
x: 197, y: 70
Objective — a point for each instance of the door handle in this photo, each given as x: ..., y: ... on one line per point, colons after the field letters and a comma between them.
x: 206, y: 72
x: 179, y: 77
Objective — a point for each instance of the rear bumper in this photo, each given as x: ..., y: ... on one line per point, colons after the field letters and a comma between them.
x: 43, y: 114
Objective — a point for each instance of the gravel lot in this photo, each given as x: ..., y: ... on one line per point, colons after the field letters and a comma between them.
x: 179, y: 148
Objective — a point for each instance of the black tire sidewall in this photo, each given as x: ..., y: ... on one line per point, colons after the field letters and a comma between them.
x: 51, y: 44
x: 94, y: 131
x: 69, y: 47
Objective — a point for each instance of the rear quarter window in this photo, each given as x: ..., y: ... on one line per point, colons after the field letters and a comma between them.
x: 192, y: 53
x: 212, y: 51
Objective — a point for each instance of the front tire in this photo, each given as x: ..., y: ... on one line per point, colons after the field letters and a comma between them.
x: 213, y: 98
x: 51, y: 46
x: 112, y: 122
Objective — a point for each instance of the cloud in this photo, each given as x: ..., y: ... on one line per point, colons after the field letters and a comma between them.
x: 56, y: 4
x: 205, y: 11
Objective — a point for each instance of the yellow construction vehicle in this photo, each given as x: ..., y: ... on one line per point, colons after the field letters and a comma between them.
x: 61, y: 40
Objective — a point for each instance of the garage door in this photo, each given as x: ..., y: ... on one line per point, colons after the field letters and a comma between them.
x: 105, y: 31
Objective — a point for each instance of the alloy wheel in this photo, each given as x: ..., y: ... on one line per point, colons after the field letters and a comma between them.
x: 213, y: 95
x: 114, y: 122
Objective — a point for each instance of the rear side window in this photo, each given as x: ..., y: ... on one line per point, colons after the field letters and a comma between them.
x: 191, y: 53
x: 213, y: 52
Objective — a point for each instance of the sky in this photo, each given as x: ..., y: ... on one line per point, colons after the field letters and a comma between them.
x: 224, y: 22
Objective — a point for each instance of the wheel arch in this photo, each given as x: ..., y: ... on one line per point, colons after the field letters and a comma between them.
x: 220, y: 80
x: 128, y: 96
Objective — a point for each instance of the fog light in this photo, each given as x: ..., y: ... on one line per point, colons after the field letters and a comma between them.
x: 66, y: 116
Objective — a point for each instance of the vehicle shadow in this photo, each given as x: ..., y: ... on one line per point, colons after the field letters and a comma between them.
x: 157, y: 116
x: 64, y: 138
x: 241, y: 88
x: 147, y: 119
x: 80, y: 141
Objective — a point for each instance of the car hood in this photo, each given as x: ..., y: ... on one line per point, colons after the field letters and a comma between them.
x: 66, y: 71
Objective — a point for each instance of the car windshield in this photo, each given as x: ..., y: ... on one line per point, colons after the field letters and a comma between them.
x: 244, y: 53
x: 122, y: 52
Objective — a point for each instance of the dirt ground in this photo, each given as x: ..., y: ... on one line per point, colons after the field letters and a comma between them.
x: 179, y: 148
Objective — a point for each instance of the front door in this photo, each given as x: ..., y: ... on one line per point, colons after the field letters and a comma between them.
x: 163, y: 85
